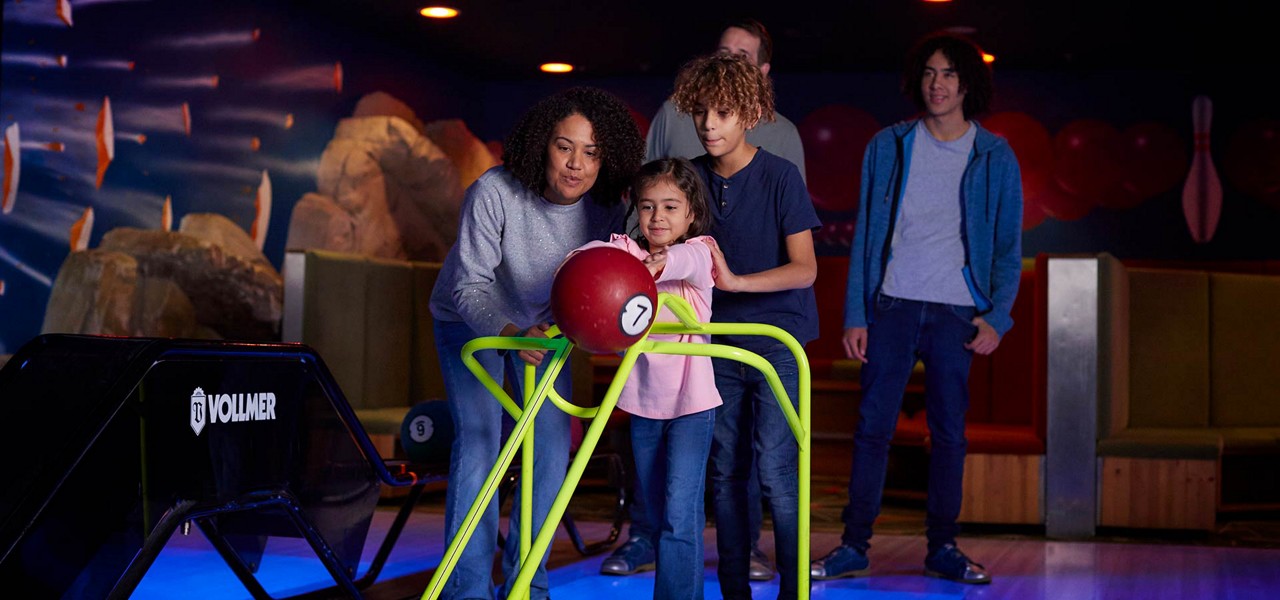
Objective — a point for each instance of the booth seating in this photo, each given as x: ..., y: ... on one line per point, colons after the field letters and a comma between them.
x: 1193, y: 426
x: 371, y: 320
x: 1006, y: 420
x: 1005, y: 424
x: 1004, y: 470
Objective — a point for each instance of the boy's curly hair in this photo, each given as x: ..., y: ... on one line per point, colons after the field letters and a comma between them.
x: 724, y: 80
x: 621, y: 146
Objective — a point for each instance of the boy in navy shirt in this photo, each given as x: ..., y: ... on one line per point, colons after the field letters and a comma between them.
x: 765, y: 263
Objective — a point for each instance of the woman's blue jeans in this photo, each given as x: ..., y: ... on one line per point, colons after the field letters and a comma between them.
x: 478, y: 423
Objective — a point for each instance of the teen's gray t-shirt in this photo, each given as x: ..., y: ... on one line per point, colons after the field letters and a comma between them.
x: 926, y: 260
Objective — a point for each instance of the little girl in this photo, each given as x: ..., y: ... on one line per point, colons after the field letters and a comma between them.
x: 672, y: 398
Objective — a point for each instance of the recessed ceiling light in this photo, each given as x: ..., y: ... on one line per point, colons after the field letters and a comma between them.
x: 988, y: 58
x: 439, y: 12
x: 554, y: 67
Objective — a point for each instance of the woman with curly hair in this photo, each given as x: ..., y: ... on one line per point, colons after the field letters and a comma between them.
x: 566, y: 164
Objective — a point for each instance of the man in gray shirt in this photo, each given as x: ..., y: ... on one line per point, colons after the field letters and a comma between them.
x: 673, y: 134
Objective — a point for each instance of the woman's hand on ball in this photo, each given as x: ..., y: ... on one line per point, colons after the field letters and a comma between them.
x: 533, y: 357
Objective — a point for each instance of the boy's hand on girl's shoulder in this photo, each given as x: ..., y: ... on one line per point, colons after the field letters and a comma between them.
x: 725, y: 279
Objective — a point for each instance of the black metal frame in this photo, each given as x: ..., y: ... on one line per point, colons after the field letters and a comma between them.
x: 146, y: 353
x: 203, y: 517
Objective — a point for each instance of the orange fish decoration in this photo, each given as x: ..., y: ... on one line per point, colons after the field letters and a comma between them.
x: 262, y: 211
x: 63, y: 11
x: 288, y: 121
x: 106, y: 136
x: 81, y: 230
x: 12, y: 166
x: 166, y: 214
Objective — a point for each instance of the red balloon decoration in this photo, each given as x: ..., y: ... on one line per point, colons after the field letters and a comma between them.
x: 1032, y: 213
x: 1044, y: 193
x: 834, y: 138
x: 1031, y: 144
x: 642, y: 122
x: 1086, y: 161
x: 1029, y: 139
x: 1251, y: 163
x: 1153, y: 160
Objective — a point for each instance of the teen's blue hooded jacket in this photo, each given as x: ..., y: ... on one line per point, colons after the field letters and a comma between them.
x: 991, y: 198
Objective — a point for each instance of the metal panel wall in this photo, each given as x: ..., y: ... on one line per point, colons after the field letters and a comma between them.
x: 1071, y: 488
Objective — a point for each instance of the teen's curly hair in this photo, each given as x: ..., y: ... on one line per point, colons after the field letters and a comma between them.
x: 724, y: 80
x: 965, y: 57
x: 621, y: 147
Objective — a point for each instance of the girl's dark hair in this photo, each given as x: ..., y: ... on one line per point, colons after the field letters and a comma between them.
x: 965, y: 58
x: 616, y: 135
x: 682, y: 173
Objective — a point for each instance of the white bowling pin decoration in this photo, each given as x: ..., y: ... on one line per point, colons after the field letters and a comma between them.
x: 1202, y: 194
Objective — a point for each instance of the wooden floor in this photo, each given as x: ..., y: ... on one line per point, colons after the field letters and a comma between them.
x: 1022, y: 568
x: 1118, y: 565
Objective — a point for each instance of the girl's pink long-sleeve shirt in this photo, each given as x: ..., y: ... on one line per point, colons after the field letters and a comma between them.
x: 666, y: 386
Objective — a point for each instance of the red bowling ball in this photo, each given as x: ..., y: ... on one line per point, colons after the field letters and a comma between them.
x: 603, y: 299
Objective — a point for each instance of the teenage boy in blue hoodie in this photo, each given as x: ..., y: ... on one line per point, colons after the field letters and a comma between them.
x: 933, y: 272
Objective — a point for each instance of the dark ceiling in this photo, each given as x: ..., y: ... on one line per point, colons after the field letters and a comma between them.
x: 508, y: 38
